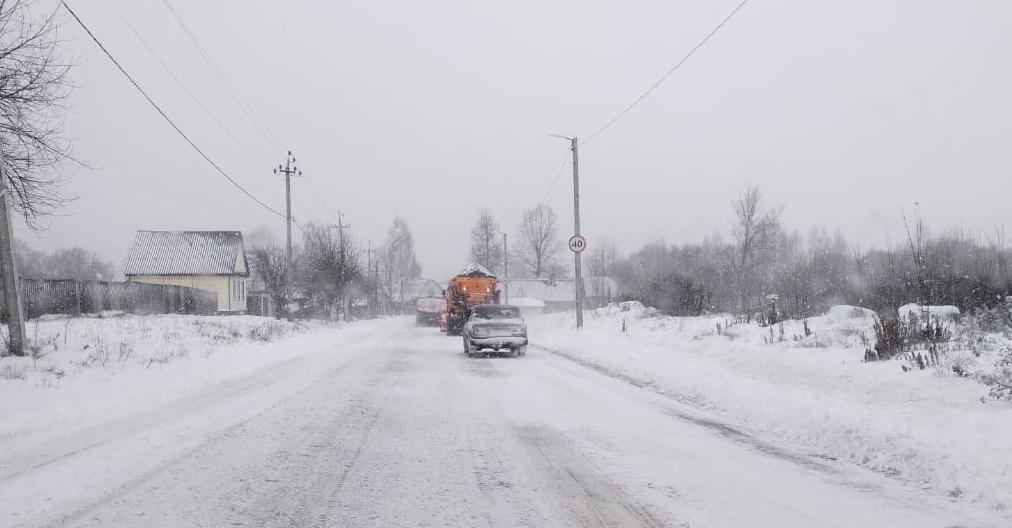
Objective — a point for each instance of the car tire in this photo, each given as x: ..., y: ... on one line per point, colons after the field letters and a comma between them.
x: 522, y: 351
x: 467, y: 348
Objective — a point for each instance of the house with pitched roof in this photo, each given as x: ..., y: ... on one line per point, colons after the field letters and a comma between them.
x: 208, y: 260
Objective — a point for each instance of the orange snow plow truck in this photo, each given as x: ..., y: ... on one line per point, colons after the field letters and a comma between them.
x: 474, y: 286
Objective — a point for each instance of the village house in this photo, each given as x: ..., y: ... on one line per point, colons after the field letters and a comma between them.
x: 208, y: 260
x: 535, y: 295
x: 413, y: 290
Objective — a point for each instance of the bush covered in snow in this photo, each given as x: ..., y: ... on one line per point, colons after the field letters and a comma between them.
x: 60, y: 347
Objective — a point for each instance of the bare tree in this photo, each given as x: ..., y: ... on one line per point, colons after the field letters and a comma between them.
x: 398, y: 263
x: 33, y: 87
x: 916, y: 239
x: 271, y: 264
x: 602, y: 261
x: 755, y: 228
x: 538, y: 241
x: 330, y: 265
x: 486, y: 242
x: 73, y: 263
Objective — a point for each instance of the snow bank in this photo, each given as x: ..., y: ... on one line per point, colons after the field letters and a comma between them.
x: 526, y: 302
x: 809, y: 391
x: 89, y: 369
x: 944, y: 312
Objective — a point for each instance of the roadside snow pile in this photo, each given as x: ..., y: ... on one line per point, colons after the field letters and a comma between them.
x: 808, y: 390
x: 86, y: 369
x: 61, y: 348
x: 914, y: 312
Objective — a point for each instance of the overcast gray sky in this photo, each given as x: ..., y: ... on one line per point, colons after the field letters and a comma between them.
x: 844, y: 111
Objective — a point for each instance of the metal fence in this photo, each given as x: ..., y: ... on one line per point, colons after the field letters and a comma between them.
x: 49, y: 296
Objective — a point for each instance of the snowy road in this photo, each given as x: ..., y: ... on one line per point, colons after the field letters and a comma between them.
x: 398, y: 428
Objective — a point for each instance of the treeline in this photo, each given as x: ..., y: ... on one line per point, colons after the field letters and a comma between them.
x: 333, y: 275
x: 66, y: 263
x: 763, y: 271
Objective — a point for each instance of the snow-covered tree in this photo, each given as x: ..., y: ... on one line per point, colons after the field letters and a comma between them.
x: 486, y: 242
x: 270, y: 262
x: 66, y: 263
x: 538, y: 243
x: 330, y: 265
x: 397, y: 262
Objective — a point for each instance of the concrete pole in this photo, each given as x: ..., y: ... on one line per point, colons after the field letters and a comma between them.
x: 576, y: 225
x: 288, y: 170
x: 288, y: 230
x: 8, y: 267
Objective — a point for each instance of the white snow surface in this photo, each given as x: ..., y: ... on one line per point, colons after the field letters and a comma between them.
x: 935, y: 313
x: 383, y: 423
x: 526, y: 302
x: 812, y: 393
x: 100, y: 368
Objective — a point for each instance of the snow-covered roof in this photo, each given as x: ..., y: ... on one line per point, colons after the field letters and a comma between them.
x: 186, y: 253
x: 476, y: 270
x: 417, y: 288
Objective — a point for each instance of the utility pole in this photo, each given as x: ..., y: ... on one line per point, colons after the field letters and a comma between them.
x: 506, y: 267
x: 8, y: 267
x: 342, y: 255
x: 578, y: 282
x: 288, y: 169
x: 373, y: 298
x: 340, y: 226
x: 576, y: 225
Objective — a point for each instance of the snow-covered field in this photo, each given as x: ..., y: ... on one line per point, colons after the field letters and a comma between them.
x: 813, y: 394
x: 89, y: 369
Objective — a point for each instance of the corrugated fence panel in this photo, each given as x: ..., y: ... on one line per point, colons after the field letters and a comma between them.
x: 50, y: 296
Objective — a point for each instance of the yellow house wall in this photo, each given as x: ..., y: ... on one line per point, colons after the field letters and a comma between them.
x: 219, y: 284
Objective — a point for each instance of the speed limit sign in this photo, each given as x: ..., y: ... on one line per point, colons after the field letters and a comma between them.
x: 577, y: 244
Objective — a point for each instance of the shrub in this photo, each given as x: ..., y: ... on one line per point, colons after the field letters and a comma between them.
x: 1000, y: 381
x: 11, y: 372
x: 889, y: 338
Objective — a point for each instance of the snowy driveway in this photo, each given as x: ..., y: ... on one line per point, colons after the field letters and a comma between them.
x: 398, y: 428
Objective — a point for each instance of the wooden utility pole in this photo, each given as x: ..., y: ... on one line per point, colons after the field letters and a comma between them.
x: 288, y: 169
x: 8, y: 267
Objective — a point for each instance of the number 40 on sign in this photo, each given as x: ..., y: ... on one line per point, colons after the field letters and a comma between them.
x: 577, y: 244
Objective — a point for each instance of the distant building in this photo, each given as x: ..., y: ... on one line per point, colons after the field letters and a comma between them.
x: 414, y: 290
x: 258, y: 300
x: 559, y: 294
x: 208, y: 260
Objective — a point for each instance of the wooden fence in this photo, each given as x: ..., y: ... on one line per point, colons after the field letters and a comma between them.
x: 48, y: 296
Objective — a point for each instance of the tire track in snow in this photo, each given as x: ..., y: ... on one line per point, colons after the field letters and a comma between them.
x: 726, y: 430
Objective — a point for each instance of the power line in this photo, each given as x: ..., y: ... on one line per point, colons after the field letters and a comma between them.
x: 558, y: 173
x: 319, y: 196
x: 243, y: 105
x: 182, y: 86
x: 193, y: 97
x: 668, y: 74
x: 163, y: 114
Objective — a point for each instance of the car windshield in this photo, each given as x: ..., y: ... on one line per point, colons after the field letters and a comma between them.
x: 496, y: 312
